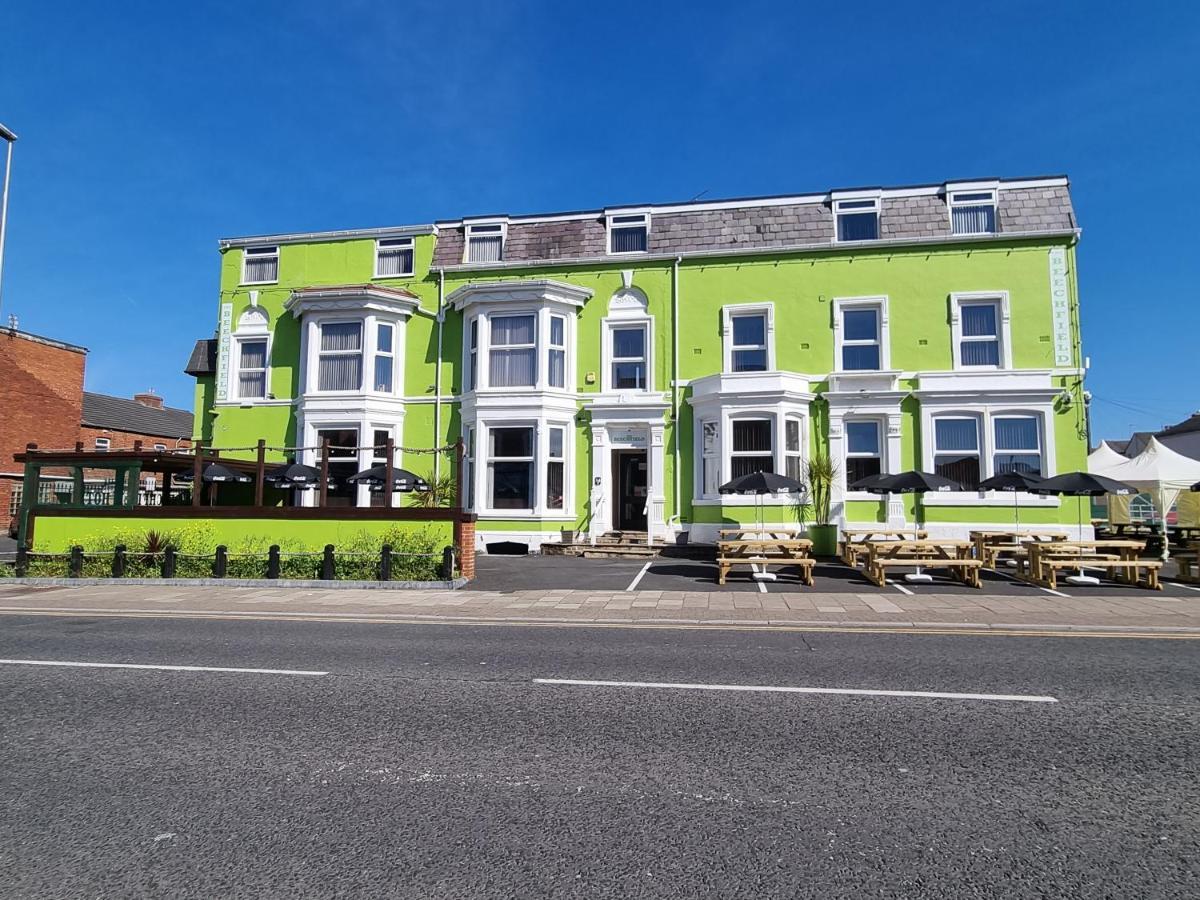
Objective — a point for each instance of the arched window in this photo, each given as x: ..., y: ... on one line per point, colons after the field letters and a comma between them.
x: 251, y: 345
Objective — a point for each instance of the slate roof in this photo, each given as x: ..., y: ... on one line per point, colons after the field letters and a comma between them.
x: 1030, y: 206
x: 1188, y: 425
x: 120, y: 414
x: 203, y: 360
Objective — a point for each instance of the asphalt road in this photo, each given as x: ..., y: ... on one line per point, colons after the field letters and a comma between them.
x: 427, y: 763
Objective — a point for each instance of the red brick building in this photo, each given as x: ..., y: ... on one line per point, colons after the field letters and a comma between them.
x: 42, y: 401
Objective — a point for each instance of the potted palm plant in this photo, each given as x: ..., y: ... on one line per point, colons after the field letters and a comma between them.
x: 820, y: 472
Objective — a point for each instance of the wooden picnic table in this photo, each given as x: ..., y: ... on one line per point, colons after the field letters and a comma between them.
x: 990, y: 544
x: 765, y: 552
x: 749, y: 532
x: 1120, y: 558
x: 854, y: 541
x: 954, y: 555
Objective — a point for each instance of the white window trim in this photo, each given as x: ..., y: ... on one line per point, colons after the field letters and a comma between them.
x: 551, y: 347
x: 607, y: 326
x: 545, y: 463
x: 235, y: 387
x: 952, y: 203
x: 471, y: 355
x: 880, y: 303
x: 881, y: 428
x: 489, y: 224
x: 481, y: 467
x: 853, y: 201
x: 246, y: 253
x: 369, y: 321
x: 401, y: 243
x: 776, y: 439
x: 724, y: 418
x: 317, y: 353
x: 741, y: 309
x: 1003, y: 327
x: 102, y: 443
x: 1039, y: 424
x: 540, y: 330
x: 983, y: 414
x: 623, y: 214
x: 799, y: 453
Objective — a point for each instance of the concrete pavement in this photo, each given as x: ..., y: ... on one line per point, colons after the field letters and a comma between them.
x: 430, y: 762
x: 1174, y: 610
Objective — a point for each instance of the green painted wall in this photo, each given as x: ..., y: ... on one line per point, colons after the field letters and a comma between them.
x: 917, y: 280
x: 57, y: 534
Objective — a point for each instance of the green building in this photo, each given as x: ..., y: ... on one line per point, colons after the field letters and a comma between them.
x: 610, y: 369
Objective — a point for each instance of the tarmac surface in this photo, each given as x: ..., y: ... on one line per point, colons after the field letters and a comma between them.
x: 430, y: 763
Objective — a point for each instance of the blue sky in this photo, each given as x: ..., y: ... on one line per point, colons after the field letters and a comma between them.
x: 149, y: 130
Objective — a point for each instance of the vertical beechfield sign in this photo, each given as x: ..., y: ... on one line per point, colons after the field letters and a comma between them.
x: 1060, y: 304
x: 223, y: 351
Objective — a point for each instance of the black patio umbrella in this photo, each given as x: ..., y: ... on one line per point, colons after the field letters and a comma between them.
x: 402, y: 479
x: 1014, y: 483
x: 215, y: 473
x: 758, y: 484
x: 1196, y: 486
x: 294, y: 475
x: 910, y: 482
x: 1082, y: 484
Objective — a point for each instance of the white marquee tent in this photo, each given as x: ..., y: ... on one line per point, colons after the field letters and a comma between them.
x: 1157, y: 470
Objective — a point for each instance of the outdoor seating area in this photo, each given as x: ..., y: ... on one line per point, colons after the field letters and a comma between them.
x: 762, y: 551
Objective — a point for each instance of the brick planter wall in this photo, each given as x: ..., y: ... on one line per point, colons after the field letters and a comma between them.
x: 464, y: 537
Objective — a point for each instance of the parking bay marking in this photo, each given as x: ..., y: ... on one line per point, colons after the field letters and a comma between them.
x: 96, y: 665
x: 774, y: 689
x: 638, y: 577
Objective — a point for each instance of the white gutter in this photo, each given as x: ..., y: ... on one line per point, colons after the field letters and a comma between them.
x: 437, y: 376
x: 316, y: 237
x: 824, y: 246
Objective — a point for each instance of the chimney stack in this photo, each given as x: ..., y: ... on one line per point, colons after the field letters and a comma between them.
x: 149, y: 398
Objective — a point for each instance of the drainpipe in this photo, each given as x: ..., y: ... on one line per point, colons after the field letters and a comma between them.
x: 437, y: 376
x: 677, y: 517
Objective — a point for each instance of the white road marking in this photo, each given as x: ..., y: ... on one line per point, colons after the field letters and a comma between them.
x: 772, y: 689
x: 1186, y: 587
x: 96, y: 665
x: 901, y: 588
x: 638, y: 577
x: 1038, y: 586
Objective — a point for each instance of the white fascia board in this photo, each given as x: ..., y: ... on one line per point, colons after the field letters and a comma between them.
x: 350, y: 299
x: 321, y: 237
x: 536, y: 290
x: 986, y: 185
x: 866, y: 194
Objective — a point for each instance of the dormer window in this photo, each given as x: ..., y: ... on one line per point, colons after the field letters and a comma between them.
x: 972, y: 212
x: 857, y: 219
x: 485, y: 242
x: 628, y: 233
x: 393, y: 257
x: 260, y: 265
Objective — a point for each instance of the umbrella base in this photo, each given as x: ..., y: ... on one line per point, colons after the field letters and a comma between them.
x: 1090, y: 580
x: 918, y: 578
x: 764, y: 576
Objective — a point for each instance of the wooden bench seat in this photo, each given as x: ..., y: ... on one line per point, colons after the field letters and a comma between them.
x: 965, y: 570
x: 1050, y: 568
x: 1186, y: 562
x: 804, y: 564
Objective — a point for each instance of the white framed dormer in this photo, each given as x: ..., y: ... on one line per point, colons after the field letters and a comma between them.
x: 981, y: 330
x: 856, y: 215
x: 394, y: 257
x: 628, y: 232
x: 484, y: 240
x: 972, y: 207
x: 627, y: 344
x: 250, y: 373
x: 861, y: 334
x: 260, y: 265
x: 748, y: 337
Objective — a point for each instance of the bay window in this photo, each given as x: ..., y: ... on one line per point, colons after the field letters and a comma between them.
x: 956, y: 450
x: 555, y: 466
x: 864, y: 450
x: 340, y: 357
x: 752, y: 447
x: 711, y: 457
x: 472, y: 354
x: 343, y: 462
x: 557, y: 353
x: 512, y: 358
x: 510, y: 468
x: 385, y: 358
x: 629, y: 358
x: 793, y: 457
x: 1016, y: 445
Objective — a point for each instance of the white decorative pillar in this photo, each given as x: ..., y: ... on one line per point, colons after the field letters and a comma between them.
x: 837, y: 453
x: 656, y: 512
x: 895, y: 506
x: 600, y: 491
